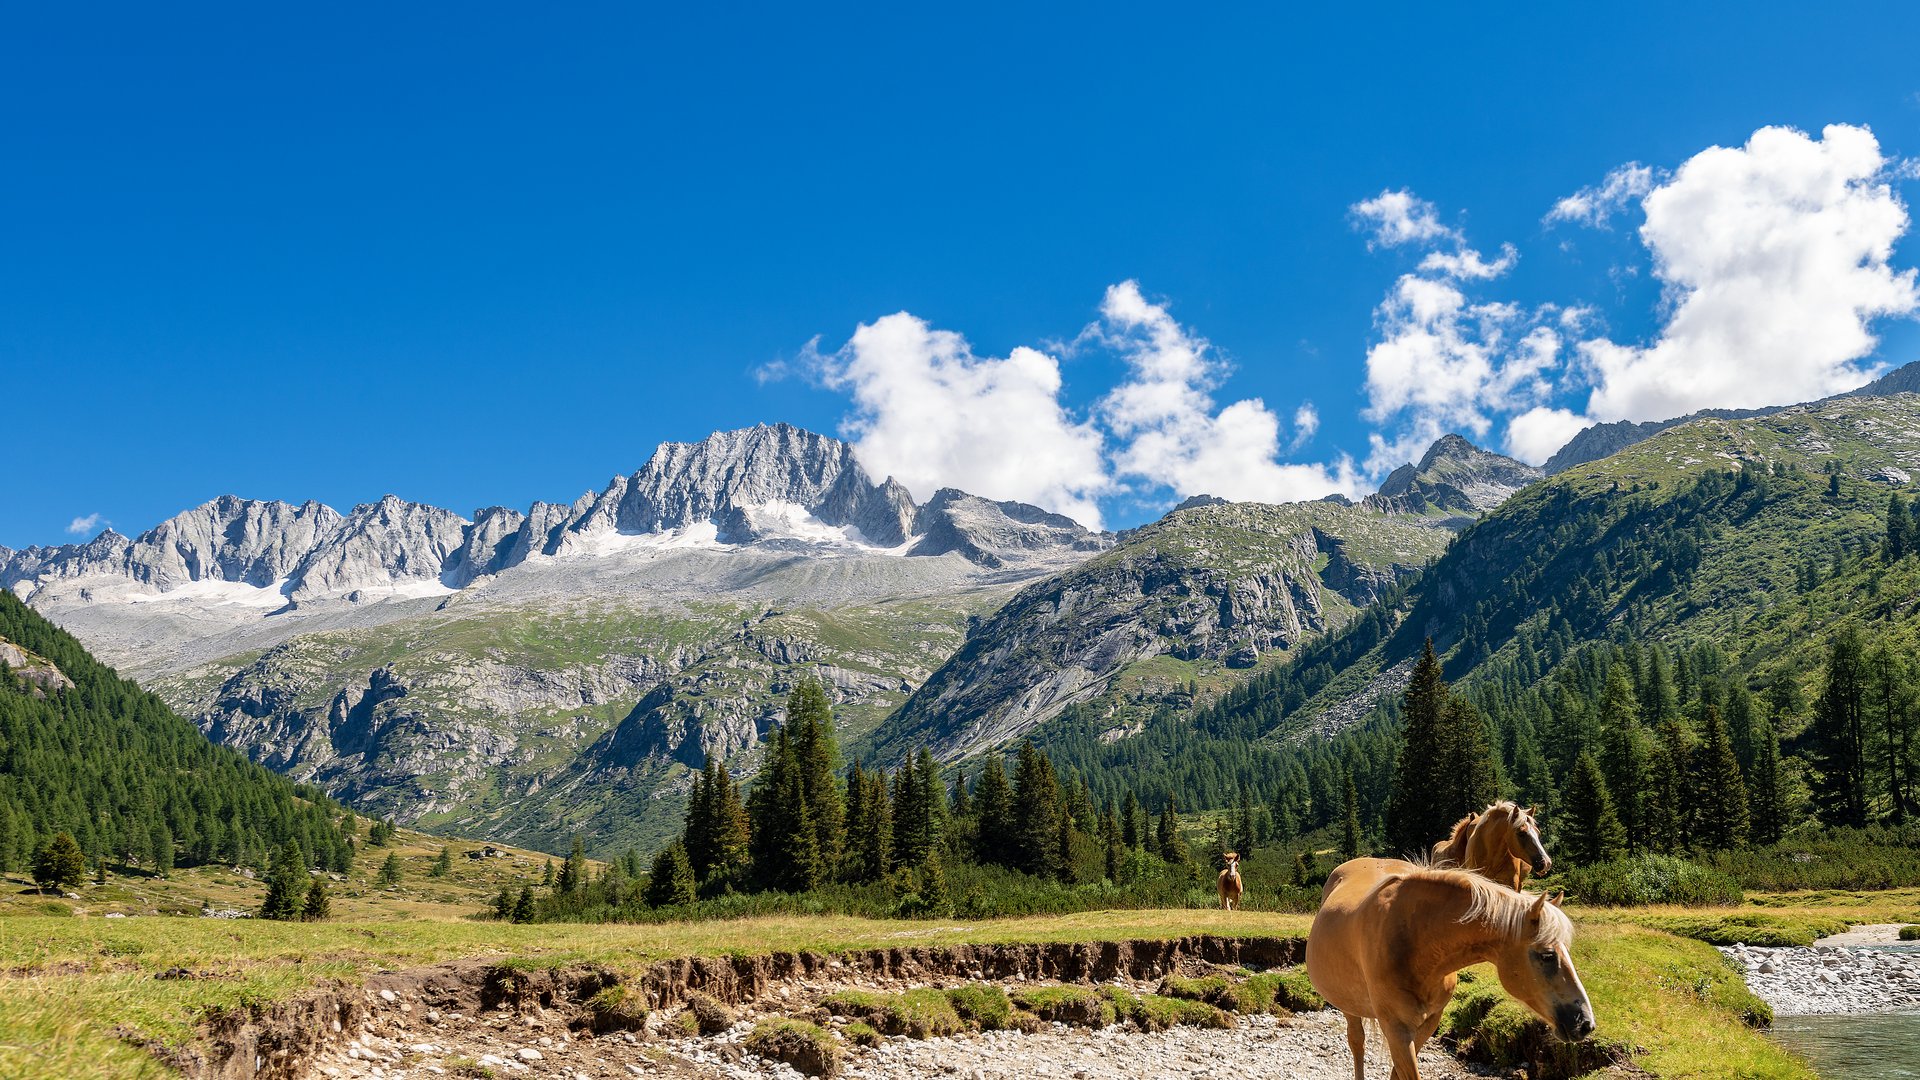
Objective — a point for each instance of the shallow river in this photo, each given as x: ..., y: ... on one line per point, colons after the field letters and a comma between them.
x: 1870, y: 1046
x: 1857, y: 1046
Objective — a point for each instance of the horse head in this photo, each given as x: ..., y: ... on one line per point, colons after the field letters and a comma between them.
x: 1523, y: 839
x: 1536, y: 966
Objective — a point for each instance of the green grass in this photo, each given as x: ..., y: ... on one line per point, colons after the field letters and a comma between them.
x: 1153, y: 1012
x: 921, y: 1013
x: 1076, y: 1005
x: 807, y: 1047
x: 983, y: 1005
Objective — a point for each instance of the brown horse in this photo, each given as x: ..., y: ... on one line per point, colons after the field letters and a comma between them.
x: 1230, y: 887
x: 1390, y: 936
x: 1501, y: 843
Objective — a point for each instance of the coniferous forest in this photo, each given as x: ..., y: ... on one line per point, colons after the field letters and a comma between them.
x: 133, y: 785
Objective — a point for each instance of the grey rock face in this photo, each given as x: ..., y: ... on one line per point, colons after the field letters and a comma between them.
x: 767, y: 485
x: 1220, y: 582
x: 1454, y: 476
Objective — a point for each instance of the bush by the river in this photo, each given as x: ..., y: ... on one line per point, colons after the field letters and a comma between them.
x: 1880, y: 857
x: 1649, y: 879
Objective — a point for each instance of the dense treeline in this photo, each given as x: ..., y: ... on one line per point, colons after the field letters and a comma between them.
x: 814, y: 837
x: 130, y: 782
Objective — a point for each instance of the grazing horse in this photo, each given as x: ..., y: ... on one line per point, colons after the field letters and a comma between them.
x: 1501, y: 843
x: 1390, y: 936
x: 1230, y: 887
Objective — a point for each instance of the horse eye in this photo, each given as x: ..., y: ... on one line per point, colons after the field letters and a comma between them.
x: 1548, y: 961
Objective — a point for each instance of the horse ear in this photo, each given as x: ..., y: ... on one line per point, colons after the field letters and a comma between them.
x: 1539, y: 908
x: 1560, y: 898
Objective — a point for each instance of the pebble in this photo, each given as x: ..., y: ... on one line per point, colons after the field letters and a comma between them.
x: 1824, y: 979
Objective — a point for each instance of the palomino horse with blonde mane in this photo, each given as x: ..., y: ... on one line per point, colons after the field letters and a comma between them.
x: 1390, y: 936
x: 1230, y: 887
x: 1500, y: 843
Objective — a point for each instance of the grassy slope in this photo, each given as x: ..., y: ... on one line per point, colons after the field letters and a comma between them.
x: 67, y: 984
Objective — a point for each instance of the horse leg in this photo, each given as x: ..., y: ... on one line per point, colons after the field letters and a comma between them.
x: 1400, y: 1047
x: 1357, y: 1042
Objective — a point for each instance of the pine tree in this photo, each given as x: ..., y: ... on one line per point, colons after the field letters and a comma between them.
x: 286, y: 878
x: 810, y: 716
x: 1890, y: 695
x: 60, y: 863
x: 962, y: 801
x: 1590, y: 831
x: 1838, y: 736
x: 1133, y: 831
x: 523, y: 908
x: 1243, y: 824
x: 389, y: 871
x: 698, y: 827
x: 1769, y: 804
x: 1036, y: 808
x: 1064, y: 868
x: 318, y: 905
x: 1898, y: 541
x: 671, y: 881
x: 1469, y: 764
x: 546, y: 875
x: 1624, y: 755
x: 933, y: 885
x: 870, y: 839
x: 1110, y: 845
x: 160, y: 846
x: 993, y: 802
x: 443, y: 864
x: 573, y: 872
x: 784, y: 842
x: 1349, y: 817
x: 1720, y: 792
x: 1415, y: 812
x: 1665, y: 807
x: 730, y: 836
x: 1167, y: 842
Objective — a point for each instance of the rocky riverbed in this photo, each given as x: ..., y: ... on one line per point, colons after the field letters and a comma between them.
x: 1852, y: 973
x: 1310, y: 1046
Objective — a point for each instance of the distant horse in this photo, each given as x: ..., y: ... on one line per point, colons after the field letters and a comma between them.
x: 1500, y: 843
x: 1230, y: 887
x: 1390, y: 936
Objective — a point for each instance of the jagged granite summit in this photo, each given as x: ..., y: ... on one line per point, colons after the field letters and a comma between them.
x: 1453, y: 477
x: 776, y: 491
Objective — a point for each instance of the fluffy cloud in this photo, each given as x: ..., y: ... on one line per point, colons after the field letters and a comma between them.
x: 1595, y: 205
x: 1469, y: 264
x: 1774, y: 258
x: 1536, y: 434
x: 931, y: 414
x: 1165, y: 424
x: 84, y: 526
x: 1400, y: 217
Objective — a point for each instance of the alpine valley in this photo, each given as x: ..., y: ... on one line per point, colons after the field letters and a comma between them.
x: 526, y: 675
x: 530, y: 675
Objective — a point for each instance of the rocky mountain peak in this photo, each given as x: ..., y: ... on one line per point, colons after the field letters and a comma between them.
x: 1453, y: 477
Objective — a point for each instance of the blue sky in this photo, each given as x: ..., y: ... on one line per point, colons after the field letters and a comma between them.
x: 483, y: 254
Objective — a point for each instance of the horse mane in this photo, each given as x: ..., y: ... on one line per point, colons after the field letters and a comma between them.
x: 1499, y: 908
x: 1454, y: 848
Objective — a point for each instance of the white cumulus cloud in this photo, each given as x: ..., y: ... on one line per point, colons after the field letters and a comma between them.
x: 931, y: 414
x: 1596, y: 205
x: 1166, y: 427
x: 84, y: 526
x: 1400, y: 217
x: 1774, y: 260
x: 1536, y: 434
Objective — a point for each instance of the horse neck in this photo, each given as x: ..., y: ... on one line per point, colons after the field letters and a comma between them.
x: 1490, y: 851
x: 1445, y: 943
x: 1454, y: 848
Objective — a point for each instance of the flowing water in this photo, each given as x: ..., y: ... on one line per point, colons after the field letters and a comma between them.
x: 1855, y: 1046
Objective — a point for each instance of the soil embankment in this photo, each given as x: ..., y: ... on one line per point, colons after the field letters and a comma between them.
x: 477, y: 1018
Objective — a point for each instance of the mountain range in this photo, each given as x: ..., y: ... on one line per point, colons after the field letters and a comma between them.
x: 530, y: 674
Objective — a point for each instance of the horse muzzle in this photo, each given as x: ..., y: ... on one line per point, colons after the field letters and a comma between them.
x: 1543, y: 865
x: 1573, y: 1022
